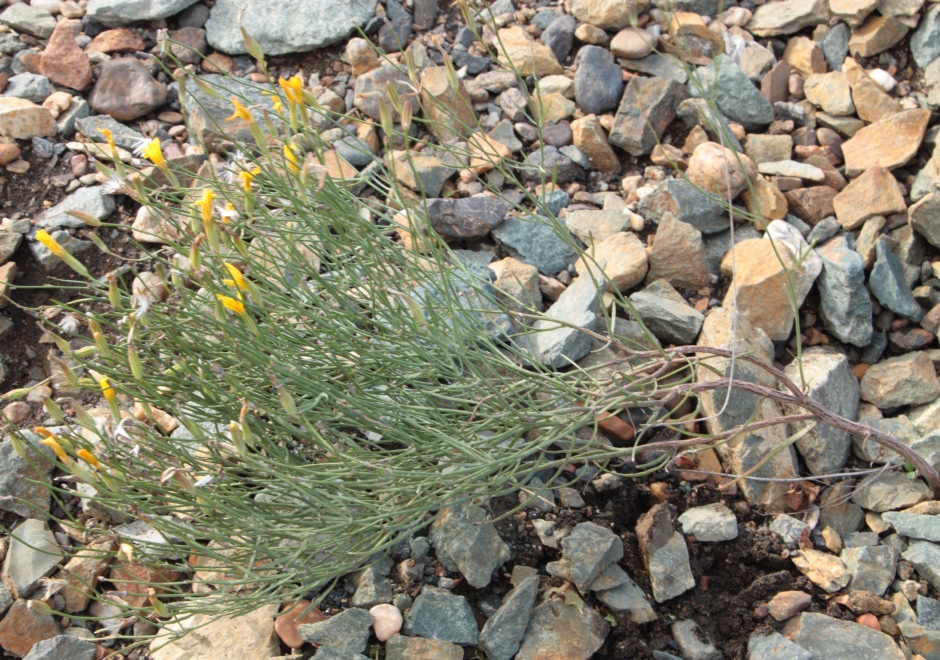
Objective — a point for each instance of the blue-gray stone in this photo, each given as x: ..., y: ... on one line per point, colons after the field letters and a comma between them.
x: 889, y: 286
x: 686, y: 203
x: 647, y: 108
x: 439, y: 614
x: 285, y: 26
x: 559, y: 36
x: 355, y: 151
x: 598, y: 83
x: 557, y: 341
x: 395, y: 34
x: 44, y: 148
x: 465, y: 37
x: 123, y: 12
x: 467, y: 304
x: 873, y: 352
x: 835, y: 45
x: 25, y: 483
x: 550, y: 164
x: 823, y: 231
x: 62, y: 647
x: 92, y: 200
x: 845, y: 306
x: 475, y: 63
x: 827, y: 637
x: 503, y: 632
x: 395, y: 10
x: 537, y: 241
x: 928, y: 612
x: 669, y: 318
x: 697, y: 112
x: 543, y: 18
x: 29, y: 86
x: 577, y: 156
x: 347, y: 631
x: 737, y: 97
x: 208, y: 115
x: 925, y: 41
x: 775, y: 647
x: 27, y: 19
x: 914, y: 525
x: 10, y: 44
x: 72, y: 245
x: 466, y: 541
x: 554, y: 201
x: 586, y: 553
x: 925, y: 557
x: 467, y: 217
x: 124, y: 136
x: 700, y: 7
x: 333, y: 653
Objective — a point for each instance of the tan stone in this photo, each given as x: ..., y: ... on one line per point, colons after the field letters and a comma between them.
x: 804, y: 55
x: 678, y: 255
x: 218, y: 63
x: 717, y: 169
x: 890, y: 142
x: 605, y: 14
x: 624, y: 260
x: 787, y: 604
x: 336, y: 166
x: 8, y: 153
x: 590, y: 137
x: 285, y: 625
x: 136, y: 578
x: 824, y: 570
x: 361, y: 56
x: 830, y: 92
x: 871, y: 102
x: 112, y: 41
x: 528, y: 57
x: 853, y: 12
x: 248, y: 636
x: 149, y: 229
x: 486, y: 152
x: 632, y: 43
x: 517, y: 284
x: 767, y: 201
x: 876, y: 35
x: 81, y: 574
x: 589, y: 34
x: 22, y: 119
x: 447, y: 109
x: 7, y: 275
x: 875, y: 192
x: 691, y: 36
x: 63, y: 62
x: 555, y: 107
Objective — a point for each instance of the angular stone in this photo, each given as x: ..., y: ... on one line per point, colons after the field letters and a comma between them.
x: 586, y: 552
x: 811, y: 204
x: 889, y: 492
x: 766, y: 202
x: 876, y: 35
x: 22, y: 119
x: 827, y: 572
x: 125, y: 90
x: 924, y: 217
x: 875, y: 192
x: 853, y: 12
x: 888, y: 284
x: 560, y: 630
x: 830, y: 92
x: 647, y: 108
x: 792, y: 169
x: 787, y: 17
x: 889, y: 142
x: 27, y: 19
x: 439, y: 614
x: 838, y: 511
x: 503, y: 632
x: 522, y: 53
x: 449, y: 111
x: 401, y: 647
x: 664, y: 553
x: 517, y: 284
x: 598, y: 82
x: 33, y: 555
x: 25, y: 625
x: 768, y: 148
x: 591, y: 138
x: 678, y: 255
x: 694, y: 642
x: 666, y: 314
x: 605, y: 14
x: 347, y: 631
x: 737, y: 97
x: 845, y: 305
x: 81, y: 574
x: 913, y: 525
x: 92, y: 200
x: 629, y: 599
x: 827, y: 379
x: 372, y: 86
x: 872, y: 103
x: 556, y: 340
x: 684, y: 202
x: 826, y: 637
x: 775, y: 646
x: 804, y: 56
x: 113, y: 41
x: 62, y: 647
x: 711, y: 523
x: 925, y: 42
x: 466, y: 542
x: 25, y: 483
x: 536, y: 241
x: 787, y: 604
x: 468, y: 217
x: 622, y: 258
x: 63, y: 62
x: 872, y: 567
x: 595, y: 227
x: 925, y: 557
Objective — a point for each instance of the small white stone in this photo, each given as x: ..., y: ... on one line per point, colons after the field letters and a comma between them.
x: 792, y: 168
x: 386, y: 621
x: 883, y: 79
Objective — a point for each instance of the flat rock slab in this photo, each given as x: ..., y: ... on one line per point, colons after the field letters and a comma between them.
x: 347, y: 631
x: 890, y: 142
x: 914, y: 525
x: 33, y: 555
x: 503, y: 632
x: 665, y: 553
x: 586, y: 552
x: 466, y: 542
x: 92, y: 200
x: 925, y: 557
x: 826, y: 637
x: 440, y: 614
x: 401, y: 647
x: 557, y: 630
x: 25, y: 484
x: 247, y: 636
x: 124, y: 12
x: 557, y: 340
x: 872, y: 567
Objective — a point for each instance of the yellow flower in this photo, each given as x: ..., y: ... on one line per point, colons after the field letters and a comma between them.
x: 291, y: 157
x: 154, y: 153
x: 205, y: 205
x: 231, y: 304
x: 237, y: 278
x: 51, y: 441
x: 89, y: 458
x: 275, y: 102
x: 107, y: 134
x: 108, y: 391
x: 293, y: 89
x: 241, y: 112
x: 43, y: 237
x: 247, y: 178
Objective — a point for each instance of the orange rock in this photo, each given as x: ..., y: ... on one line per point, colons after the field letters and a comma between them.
x: 869, y: 620
x: 285, y: 625
x: 111, y: 41
x: 63, y: 62
x: 25, y: 624
x: 136, y: 578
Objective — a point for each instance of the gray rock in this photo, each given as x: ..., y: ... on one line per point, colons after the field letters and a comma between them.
x: 9, y: 243
x: 835, y: 45
x: 775, y: 647
x: 577, y: 156
x: 536, y: 240
x: 480, y: 310
x: 836, y: 510
x: 737, y: 97
x: 401, y: 647
x: 62, y: 647
x: 668, y: 317
x: 665, y: 554
x: 900, y: 381
x: 928, y: 612
x: 550, y: 164
x: 888, y: 284
x: 27, y: 19
x: 354, y: 151
x: 25, y: 484
x: 373, y: 86
x: 711, y: 523
x: 826, y: 637
x: 788, y: 528
x: 124, y: 12
x: 425, y: 13
x: 28, y: 86
x: 890, y: 491
x: 193, y: 16
x: 845, y: 305
x: 628, y: 598
x: 598, y: 82
x: 395, y: 35
x: 33, y: 555
x: 827, y: 379
x: 468, y: 217
x: 92, y: 200
x: 929, y: 448
x: 332, y: 653
x: 563, y: 631
x: 594, y: 227
x: 65, y: 122
x: 559, y: 36
x: 914, y: 525
x: 439, y: 614
x: 371, y: 585
x: 72, y: 245
x: 925, y: 557
x: 503, y: 632
x: 287, y: 26
x: 787, y: 17
x: 647, y: 108
x: 681, y: 199
x: 557, y: 340
x: 697, y: 112
x: 925, y: 41
x: 860, y: 540
x: 124, y: 136
x: 586, y: 552
x: 467, y: 542
x: 823, y: 231
x: 872, y: 567
x: 208, y: 114
x: 347, y: 631
x: 924, y: 216
x: 657, y: 66
x: 693, y: 641
x: 126, y: 90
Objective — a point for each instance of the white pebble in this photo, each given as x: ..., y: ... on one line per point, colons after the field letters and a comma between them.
x: 637, y: 222
x: 386, y: 621
x: 883, y: 79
